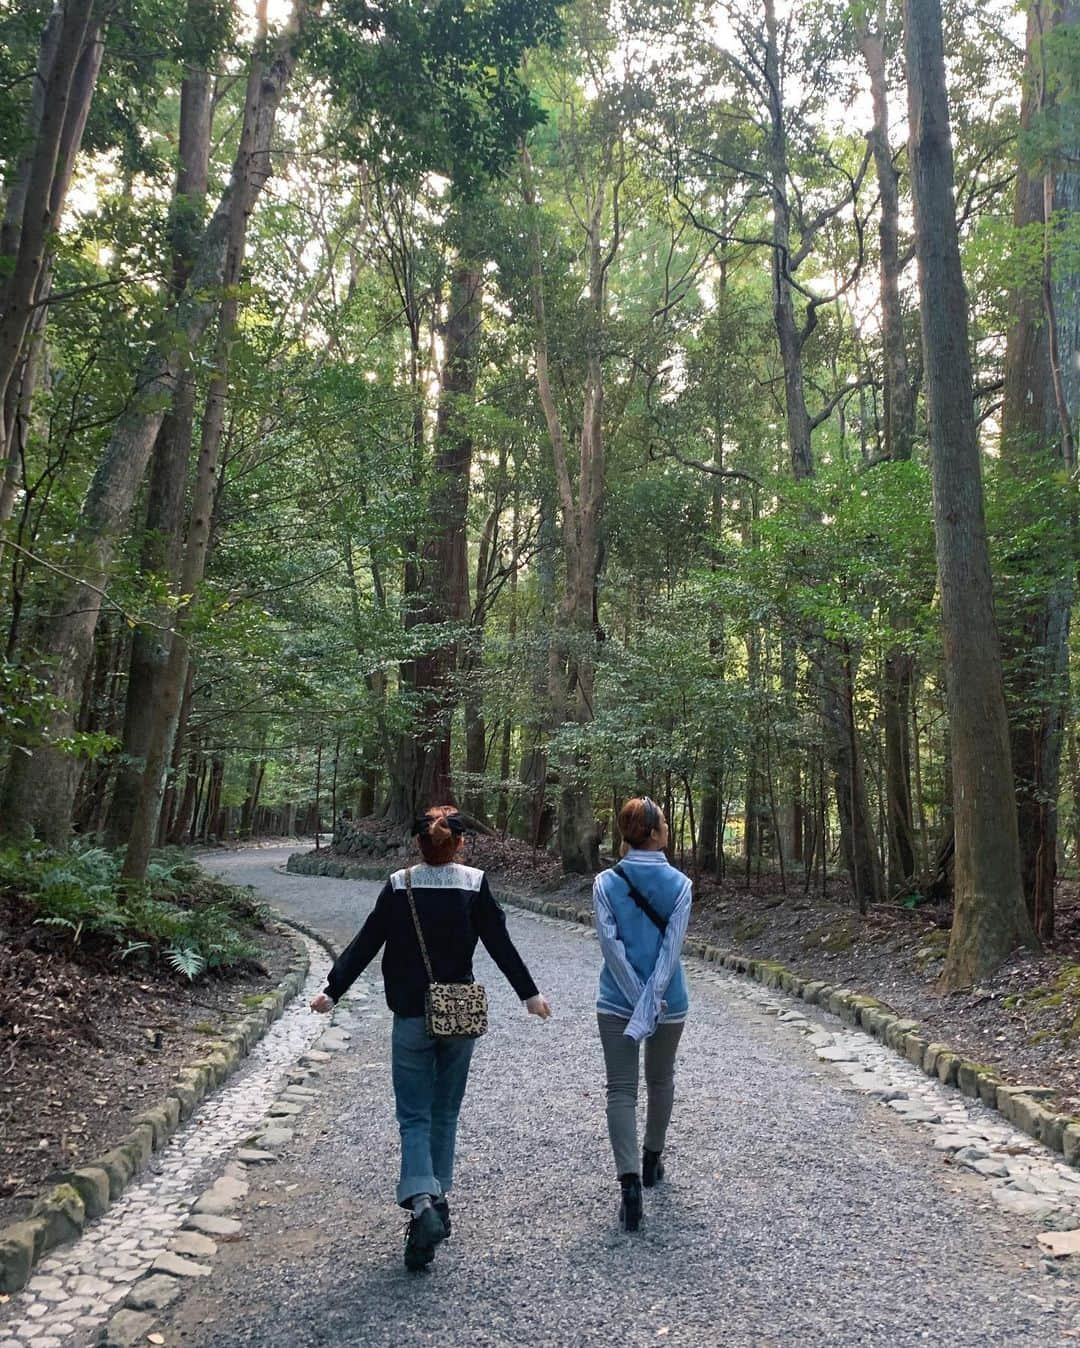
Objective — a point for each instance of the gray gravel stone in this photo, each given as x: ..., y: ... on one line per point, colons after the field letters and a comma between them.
x: 194, y: 1245
x: 1023, y: 1204
x: 951, y: 1141
x: 176, y: 1266
x: 835, y: 1053
x: 992, y: 1167
x: 283, y: 1109
x: 153, y: 1293
x: 127, y: 1328
x: 272, y: 1136
x: 211, y: 1204
x: 877, y: 1086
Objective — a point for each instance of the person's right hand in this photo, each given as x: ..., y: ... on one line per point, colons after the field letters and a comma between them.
x: 538, y: 1006
x: 322, y: 1003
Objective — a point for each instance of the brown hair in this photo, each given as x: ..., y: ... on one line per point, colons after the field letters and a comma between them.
x: 439, y: 844
x: 639, y: 819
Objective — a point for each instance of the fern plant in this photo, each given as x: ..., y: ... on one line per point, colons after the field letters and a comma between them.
x: 186, y: 960
x: 181, y: 917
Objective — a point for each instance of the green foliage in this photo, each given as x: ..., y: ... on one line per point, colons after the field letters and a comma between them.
x: 180, y: 917
x: 433, y: 87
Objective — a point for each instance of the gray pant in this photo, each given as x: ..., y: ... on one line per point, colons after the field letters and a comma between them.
x: 621, y: 1061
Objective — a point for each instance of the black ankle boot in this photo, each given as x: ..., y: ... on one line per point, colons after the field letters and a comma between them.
x: 652, y: 1168
x: 631, y: 1208
x: 424, y: 1232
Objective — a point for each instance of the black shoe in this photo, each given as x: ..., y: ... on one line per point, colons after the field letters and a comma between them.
x: 631, y: 1208
x: 652, y: 1168
x: 425, y: 1232
x: 442, y: 1207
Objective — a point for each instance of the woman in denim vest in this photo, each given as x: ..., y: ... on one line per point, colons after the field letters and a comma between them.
x: 642, y: 910
x: 455, y: 908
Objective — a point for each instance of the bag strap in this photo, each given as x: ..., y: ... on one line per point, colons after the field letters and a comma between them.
x: 416, y: 924
x: 642, y: 902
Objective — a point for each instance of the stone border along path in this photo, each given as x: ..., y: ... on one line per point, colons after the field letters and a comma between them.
x: 1020, y: 1105
x: 86, y: 1191
x: 154, y: 1236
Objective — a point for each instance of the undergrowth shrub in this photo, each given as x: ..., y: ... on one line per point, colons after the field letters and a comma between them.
x: 180, y: 917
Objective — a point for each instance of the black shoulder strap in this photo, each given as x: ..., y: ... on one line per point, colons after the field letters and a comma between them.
x: 642, y: 902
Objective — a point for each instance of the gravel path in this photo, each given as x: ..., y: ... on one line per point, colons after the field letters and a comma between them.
x: 798, y: 1211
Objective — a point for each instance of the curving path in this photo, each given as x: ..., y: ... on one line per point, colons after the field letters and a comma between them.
x: 798, y: 1211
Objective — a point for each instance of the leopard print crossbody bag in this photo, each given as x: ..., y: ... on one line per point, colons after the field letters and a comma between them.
x: 451, y: 1010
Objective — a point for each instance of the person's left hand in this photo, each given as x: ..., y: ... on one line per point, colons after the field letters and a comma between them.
x: 538, y: 1006
x: 322, y: 1003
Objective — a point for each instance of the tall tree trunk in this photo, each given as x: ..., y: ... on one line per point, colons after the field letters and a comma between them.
x: 899, y: 438
x: 472, y: 666
x: 858, y: 844
x: 163, y: 539
x: 16, y: 402
x: 899, y: 394
x: 251, y: 173
x: 37, y: 224
x: 709, y: 828
x: 752, y: 794
x: 1041, y: 407
x: 374, y: 681
x: 40, y: 789
x: 534, y: 818
x: 990, y: 916
x: 572, y: 667
x: 179, y: 752
x: 180, y: 825
x: 404, y: 752
x: 502, y: 812
x: 212, y: 806
x: 445, y: 560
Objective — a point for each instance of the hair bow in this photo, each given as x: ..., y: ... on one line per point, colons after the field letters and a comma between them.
x: 454, y: 822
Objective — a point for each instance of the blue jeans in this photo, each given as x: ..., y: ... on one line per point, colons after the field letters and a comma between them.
x: 429, y: 1082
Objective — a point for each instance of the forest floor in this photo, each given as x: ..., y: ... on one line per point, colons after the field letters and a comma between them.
x: 86, y: 1042
x: 1025, y: 1020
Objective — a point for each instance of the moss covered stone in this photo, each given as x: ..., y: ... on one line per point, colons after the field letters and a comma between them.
x: 64, y: 1215
x: 198, y: 1077
x: 119, y: 1167
x: 1053, y: 1127
x: 1070, y: 1142
x: 20, y: 1244
x: 967, y: 1078
x: 948, y: 1064
x: 897, y: 1032
x: 158, y: 1120
x: 930, y: 1057
x: 989, y: 1081
x: 140, y: 1141
x: 185, y: 1097
x: 1020, y: 1110
x: 915, y: 1046
x: 91, y: 1183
